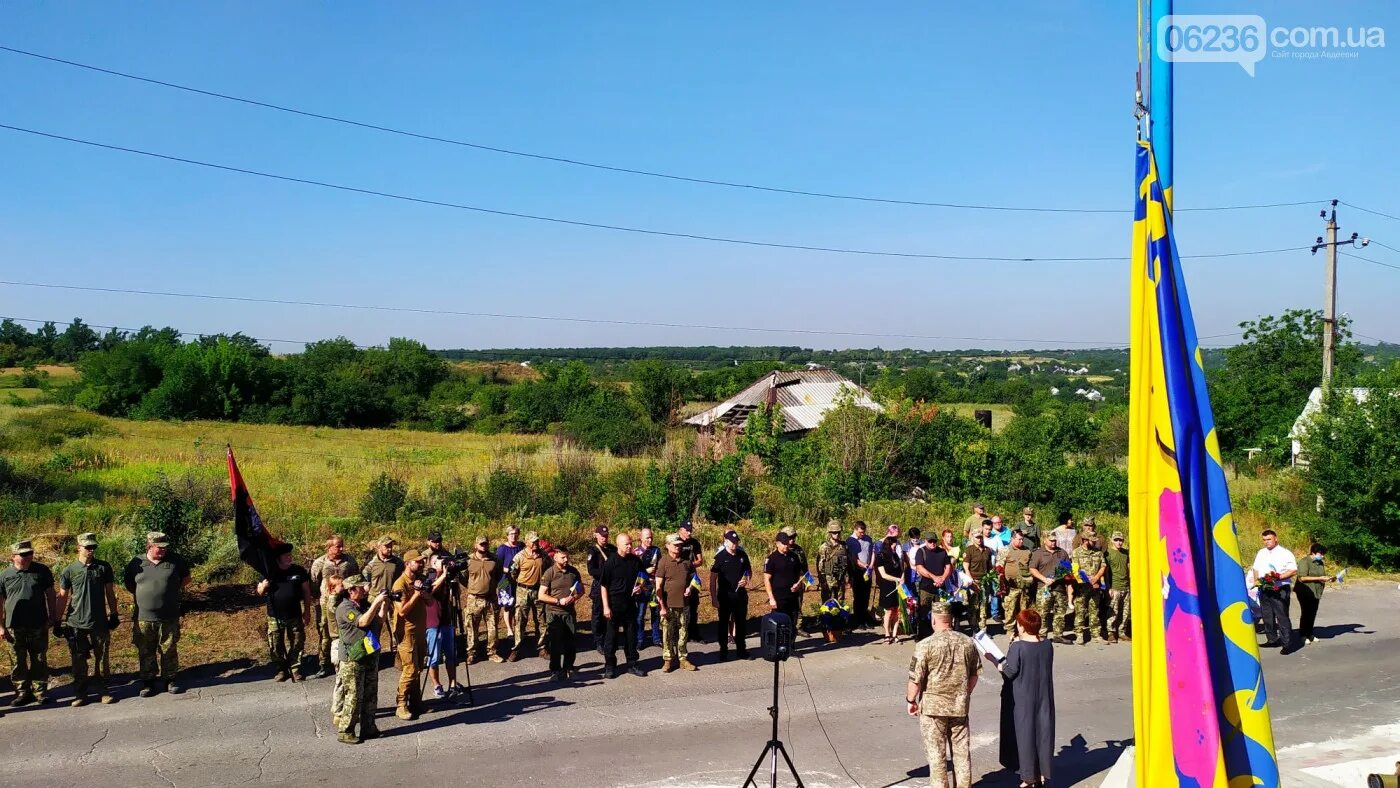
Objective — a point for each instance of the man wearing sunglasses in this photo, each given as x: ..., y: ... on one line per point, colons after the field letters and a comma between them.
x: 88, y: 592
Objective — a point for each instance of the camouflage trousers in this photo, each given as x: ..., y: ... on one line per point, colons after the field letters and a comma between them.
x: 527, y: 606
x: 975, y: 607
x: 938, y: 733
x: 833, y: 586
x: 1087, y: 601
x: 94, y: 644
x: 326, y: 631
x: 356, y: 696
x: 674, y: 633
x: 480, y: 611
x: 157, y: 648
x: 1051, y: 604
x: 286, y: 640
x: 1120, y: 612
x: 1017, y: 598
x: 31, y: 672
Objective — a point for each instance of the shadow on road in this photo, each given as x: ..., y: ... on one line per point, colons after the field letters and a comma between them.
x: 1337, y: 630
x: 1076, y: 762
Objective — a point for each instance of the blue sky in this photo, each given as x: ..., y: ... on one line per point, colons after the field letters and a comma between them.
x: 1018, y: 104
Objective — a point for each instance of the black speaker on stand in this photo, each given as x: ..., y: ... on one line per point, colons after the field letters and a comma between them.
x: 776, y: 635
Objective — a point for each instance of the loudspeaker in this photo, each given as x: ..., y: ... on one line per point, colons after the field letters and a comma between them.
x: 775, y: 634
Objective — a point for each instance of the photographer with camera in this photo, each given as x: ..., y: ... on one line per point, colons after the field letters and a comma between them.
x: 442, y: 640
x: 357, y: 682
x: 26, y: 590
x: 88, y: 592
x: 410, y: 596
x: 480, y: 607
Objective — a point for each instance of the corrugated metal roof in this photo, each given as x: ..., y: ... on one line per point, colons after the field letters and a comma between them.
x: 805, y: 396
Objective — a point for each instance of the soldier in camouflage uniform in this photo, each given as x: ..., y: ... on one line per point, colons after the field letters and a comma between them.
x: 357, y: 682
x: 1050, y: 593
x: 942, y: 674
x: 31, y: 606
x: 1088, y: 597
x: 1119, y: 607
x: 832, y: 564
x: 1015, y: 560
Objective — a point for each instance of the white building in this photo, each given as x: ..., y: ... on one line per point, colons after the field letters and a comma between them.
x: 1300, y: 424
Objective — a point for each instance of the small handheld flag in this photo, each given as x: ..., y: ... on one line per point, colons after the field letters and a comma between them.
x: 808, y: 580
x: 695, y: 581
x: 1342, y: 576
x: 576, y: 589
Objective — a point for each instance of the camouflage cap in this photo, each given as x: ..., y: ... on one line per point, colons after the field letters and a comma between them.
x: 481, y: 539
x: 355, y: 581
x: 531, y: 537
x: 1089, y: 522
x: 1117, y: 535
x: 673, y: 539
x: 939, y: 609
x: 87, y: 540
x: 833, y: 526
x: 22, y: 547
x: 387, y: 541
x: 157, y: 539
x: 1028, y: 510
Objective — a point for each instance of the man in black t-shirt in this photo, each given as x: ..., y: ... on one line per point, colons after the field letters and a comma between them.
x: 692, y: 551
x: 289, y: 603
x: 621, y: 587
x: 782, y: 579
x: 933, y: 566
x: 729, y: 592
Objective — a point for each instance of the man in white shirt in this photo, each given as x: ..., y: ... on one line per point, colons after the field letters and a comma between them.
x: 1274, y: 595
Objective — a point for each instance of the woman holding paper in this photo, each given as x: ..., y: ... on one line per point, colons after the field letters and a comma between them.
x: 1029, y: 666
x: 1312, y: 579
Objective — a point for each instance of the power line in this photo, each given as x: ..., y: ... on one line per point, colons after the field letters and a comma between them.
x: 608, y: 167
x: 552, y: 318
x: 1374, y: 242
x: 1368, y: 210
x: 1369, y: 260
x: 614, y: 227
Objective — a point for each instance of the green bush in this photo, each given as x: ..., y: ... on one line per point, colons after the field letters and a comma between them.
x: 382, y: 500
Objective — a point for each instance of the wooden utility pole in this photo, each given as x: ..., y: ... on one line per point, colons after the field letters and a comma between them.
x: 1329, y: 303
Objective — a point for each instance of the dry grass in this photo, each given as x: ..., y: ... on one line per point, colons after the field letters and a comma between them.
x: 1001, y: 414
x: 56, y: 371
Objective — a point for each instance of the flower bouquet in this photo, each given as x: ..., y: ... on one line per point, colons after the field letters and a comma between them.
x: 835, y: 617
x: 1269, y: 581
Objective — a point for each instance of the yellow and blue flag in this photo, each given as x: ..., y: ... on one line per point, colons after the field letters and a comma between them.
x: 695, y: 581
x: 1200, y: 710
x: 808, y: 580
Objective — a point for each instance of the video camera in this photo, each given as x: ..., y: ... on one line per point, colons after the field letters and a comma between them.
x: 452, y: 566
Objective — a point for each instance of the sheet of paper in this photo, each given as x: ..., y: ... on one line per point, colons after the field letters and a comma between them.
x: 987, y: 646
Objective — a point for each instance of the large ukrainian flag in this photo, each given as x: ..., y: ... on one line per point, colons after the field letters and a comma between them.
x: 1200, y: 712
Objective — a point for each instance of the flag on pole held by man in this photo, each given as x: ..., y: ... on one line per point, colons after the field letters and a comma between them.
x: 1200, y: 710
x: 255, y: 542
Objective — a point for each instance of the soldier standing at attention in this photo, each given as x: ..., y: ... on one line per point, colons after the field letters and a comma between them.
x: 942, y: 675
x: 1029, y: 530
x: 973, y: 523
x: 862, y: 569
x: 1088, y: 597
x: 1015, y: 561
x: 357, y: 685
x: 672, y: 586
x: 525, y: 569
x: 729, y: 593
x: 31, y: 607
x: 480, y: 607
x: 1119, y: 607
x: 620, y: 591
x: 598, y: 555
x: 381, y: 571
x: 978, y: 560
x: 560, y: 587
x: 692, y: 552
x: 289, y: 603
x: 155, y: 581
x: 782, y: 579
x: 335, y: 563
x: 88, y: 593
x: 832, y: 564
x: 1050, y: 592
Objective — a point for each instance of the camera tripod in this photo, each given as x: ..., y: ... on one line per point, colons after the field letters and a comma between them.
x: 450, y: 613
x: 773, y: 748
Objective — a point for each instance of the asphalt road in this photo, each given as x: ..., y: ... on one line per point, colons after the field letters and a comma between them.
x: 1335, y: 704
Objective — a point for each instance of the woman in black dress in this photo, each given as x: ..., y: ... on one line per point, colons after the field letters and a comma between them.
x: 1030, y: 667
x: 889, y: 570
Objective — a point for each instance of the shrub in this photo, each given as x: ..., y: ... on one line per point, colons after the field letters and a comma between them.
x: 382, y: 500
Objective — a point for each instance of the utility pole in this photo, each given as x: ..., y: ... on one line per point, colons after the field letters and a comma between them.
x: 1329, y: 303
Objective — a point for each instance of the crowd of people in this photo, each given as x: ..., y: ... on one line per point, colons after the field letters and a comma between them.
x: 521, y: 598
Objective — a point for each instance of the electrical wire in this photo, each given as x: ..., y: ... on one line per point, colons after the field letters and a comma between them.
x: 1370, y: 211
x: 822, y: 725
x: 1382, y: 245
x: 613, y: 227
x: 1368, y: 260
x: 608, y: 167
x: 556, y: 318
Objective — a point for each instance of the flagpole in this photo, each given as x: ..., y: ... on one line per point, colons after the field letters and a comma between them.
x: 1159, y: 101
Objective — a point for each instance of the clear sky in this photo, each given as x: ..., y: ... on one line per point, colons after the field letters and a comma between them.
x: 1008, y: 103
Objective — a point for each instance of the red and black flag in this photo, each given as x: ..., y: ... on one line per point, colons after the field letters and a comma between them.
x: 256, y: 546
